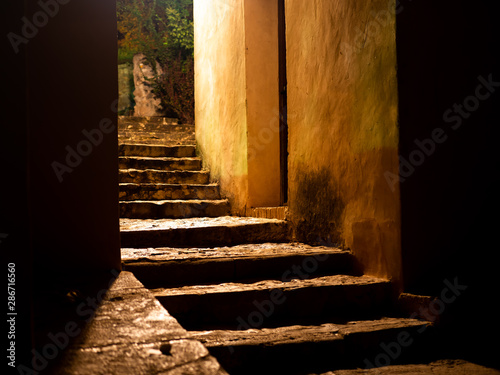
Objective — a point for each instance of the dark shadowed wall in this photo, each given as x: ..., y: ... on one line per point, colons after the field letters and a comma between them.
x: 72, y: 137
x: 449, y: 91
x: 59, y: 190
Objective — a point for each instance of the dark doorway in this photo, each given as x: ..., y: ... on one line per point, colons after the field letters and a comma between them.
x: 283, y: 103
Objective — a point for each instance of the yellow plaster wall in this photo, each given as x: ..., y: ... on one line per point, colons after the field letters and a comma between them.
x: 343, y: 133
x: 237, y: 98
x: 220, y: 94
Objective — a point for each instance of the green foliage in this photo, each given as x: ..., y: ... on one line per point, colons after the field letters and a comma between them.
x: 125, y: 55
x: 181, y: 33
x: 163, y: 31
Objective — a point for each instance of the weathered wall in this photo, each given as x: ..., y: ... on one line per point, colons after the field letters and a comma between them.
x: 343, y: 134
x: 220, y: 110
x: 237, y: 98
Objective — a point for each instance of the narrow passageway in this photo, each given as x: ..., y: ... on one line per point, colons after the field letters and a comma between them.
x: 258, y: 301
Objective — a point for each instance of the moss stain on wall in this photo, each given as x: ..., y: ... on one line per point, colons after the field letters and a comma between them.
x: 343, y: 133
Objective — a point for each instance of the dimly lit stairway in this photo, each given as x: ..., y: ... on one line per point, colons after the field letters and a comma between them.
x: 160, y: 175
x: 260, y: 304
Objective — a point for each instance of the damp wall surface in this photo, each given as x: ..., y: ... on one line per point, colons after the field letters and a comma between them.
x: 343, y: 129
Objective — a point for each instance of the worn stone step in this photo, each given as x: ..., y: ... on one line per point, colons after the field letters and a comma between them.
x: 129, y: 191
x: 174, y: 209
x: 129, y: 333
x: 165, y: 177
x: 167, y: 137
x: 147, y: 122
x: 162, y: 267
x: 267, y: 301
x: 159, y: 163
x: 300, y: 349
x: 436, y: 367
x: 156, y: 151
x: 201, y: 232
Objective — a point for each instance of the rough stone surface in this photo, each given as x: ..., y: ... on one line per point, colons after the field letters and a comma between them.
x: 294, y: 284
x: 146, y: 102
x: 158, y: 131
x: 174, y: 208
x: 131, y: 333
x: 158, y: 182
x: 126, y: 149
x: 166, y: 164
x: 337, y: 297
x: 417, y: 306
x: 164, y: 177
x: 302, y: 334
x: 299, y: 349
x: 268, y: 212
x: 199, y: 232
x: 229, y: 221
x: 441, y: 367
x: 145, y: 122
x: 246, y: 251
x: 129, y: 191
x: 174, y: 137
x: 157, y: 267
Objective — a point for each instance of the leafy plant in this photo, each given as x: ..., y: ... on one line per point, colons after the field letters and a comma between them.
x: 181, y: 34
x: 163, y: 31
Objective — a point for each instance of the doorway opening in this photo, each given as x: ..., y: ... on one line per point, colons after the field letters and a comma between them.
x: 156, y: 59
x: 283, y: 134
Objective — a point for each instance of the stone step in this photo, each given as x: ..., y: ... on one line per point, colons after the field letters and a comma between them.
x: 130, y: 333
x: 157, y: 151
x: 174, y: 209
x: 201, y: 232
x: 159, y: 163
x: 268, y: 301
x: 156, y: 139
x: 129, y: 191
x: 304, y: 349
x: 165, y: 177
x: 147, y: 122
x: 436, y: 367
x: 162, y: 267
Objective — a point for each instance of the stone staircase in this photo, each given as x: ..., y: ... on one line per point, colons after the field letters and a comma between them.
x: 260, y: 303
x: 263, y: 305
x: 160, y: 175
